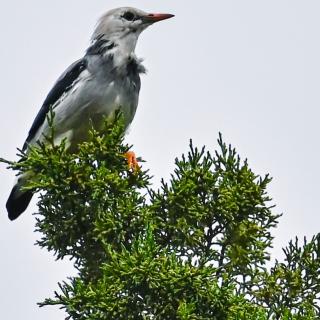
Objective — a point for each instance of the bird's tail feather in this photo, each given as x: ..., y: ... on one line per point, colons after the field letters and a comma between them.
x: 18, y: 202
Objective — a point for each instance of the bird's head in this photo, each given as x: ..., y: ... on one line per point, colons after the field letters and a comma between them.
x: 125, y: 24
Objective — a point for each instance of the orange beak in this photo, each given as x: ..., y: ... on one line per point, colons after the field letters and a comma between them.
x: 155, y: 17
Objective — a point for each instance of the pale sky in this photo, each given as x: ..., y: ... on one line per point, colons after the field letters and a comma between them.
x: 250, y: 69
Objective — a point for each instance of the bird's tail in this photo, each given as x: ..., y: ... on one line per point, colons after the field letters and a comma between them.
x: 18, y: 201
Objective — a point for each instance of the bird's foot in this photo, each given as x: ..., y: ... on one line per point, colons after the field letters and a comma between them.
x: 132, y: 161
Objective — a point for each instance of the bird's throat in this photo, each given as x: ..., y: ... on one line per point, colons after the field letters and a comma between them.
x: 124, y: 49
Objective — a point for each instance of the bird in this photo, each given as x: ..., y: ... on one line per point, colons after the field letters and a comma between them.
x: 106, y: 79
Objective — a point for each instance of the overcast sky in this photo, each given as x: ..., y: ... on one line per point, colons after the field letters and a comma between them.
x: 250, y: 69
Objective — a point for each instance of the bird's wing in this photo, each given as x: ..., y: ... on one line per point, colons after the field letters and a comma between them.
x: 63, y: 85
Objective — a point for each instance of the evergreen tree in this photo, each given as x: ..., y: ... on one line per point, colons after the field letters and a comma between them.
x: 194, y: 249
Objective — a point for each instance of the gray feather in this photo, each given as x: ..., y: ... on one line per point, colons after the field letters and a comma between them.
x: 104, y: 81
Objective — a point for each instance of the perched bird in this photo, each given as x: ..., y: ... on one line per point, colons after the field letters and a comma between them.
x: 105, y: 80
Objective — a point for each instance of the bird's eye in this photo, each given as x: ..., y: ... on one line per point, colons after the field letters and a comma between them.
x: 128, y: 16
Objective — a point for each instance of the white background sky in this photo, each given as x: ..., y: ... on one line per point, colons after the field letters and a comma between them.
x: 250, y: 69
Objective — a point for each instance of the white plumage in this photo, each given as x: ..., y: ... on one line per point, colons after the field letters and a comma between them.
x: 106, y: 79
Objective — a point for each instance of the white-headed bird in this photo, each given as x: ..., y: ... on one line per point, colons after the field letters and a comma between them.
x: 93, y: 88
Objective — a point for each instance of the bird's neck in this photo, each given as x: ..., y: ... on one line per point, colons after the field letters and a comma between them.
x: 124, y: 49
x: 121, y: 49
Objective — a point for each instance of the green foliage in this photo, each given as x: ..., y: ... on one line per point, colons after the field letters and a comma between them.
x: 194, y: 249
x: 293, y: 286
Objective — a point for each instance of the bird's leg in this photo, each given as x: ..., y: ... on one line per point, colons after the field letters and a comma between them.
x: 132, y: 161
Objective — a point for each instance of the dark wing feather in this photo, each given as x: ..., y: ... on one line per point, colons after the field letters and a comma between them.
x: 63, y: 84
x: 100, y: 46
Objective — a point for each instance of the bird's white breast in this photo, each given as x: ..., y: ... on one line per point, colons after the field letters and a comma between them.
x: 90, y: 100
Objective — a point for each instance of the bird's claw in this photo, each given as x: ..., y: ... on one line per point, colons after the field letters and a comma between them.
x: 132, y: 161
